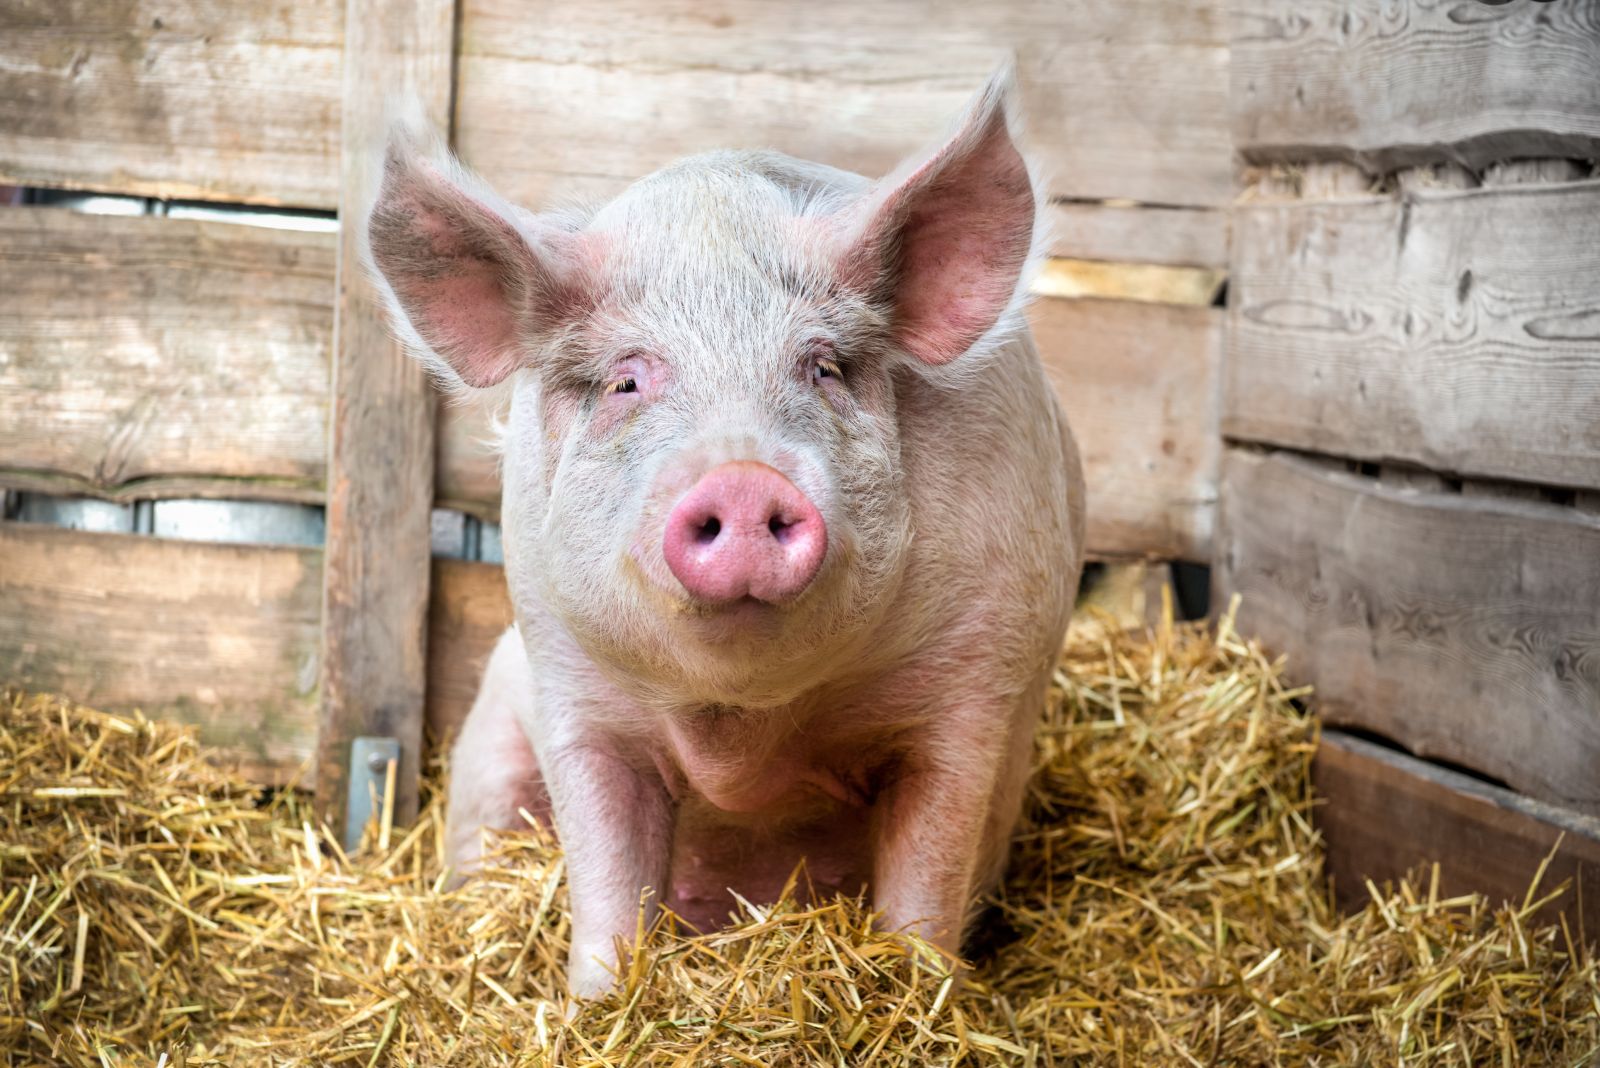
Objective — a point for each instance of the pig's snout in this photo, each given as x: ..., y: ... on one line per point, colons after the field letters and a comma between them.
x: 742, y: 531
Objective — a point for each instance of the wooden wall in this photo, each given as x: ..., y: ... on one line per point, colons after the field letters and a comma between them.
x: 155, y: 357
x: 1399, y: 410
x: 1411, y: 408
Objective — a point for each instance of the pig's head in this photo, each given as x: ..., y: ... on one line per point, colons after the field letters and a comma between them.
x: 703, y: 477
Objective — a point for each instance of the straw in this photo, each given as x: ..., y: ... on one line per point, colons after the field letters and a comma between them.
x: 1165, y: 904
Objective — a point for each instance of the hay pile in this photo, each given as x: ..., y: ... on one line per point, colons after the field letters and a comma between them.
x: 1165, y: 906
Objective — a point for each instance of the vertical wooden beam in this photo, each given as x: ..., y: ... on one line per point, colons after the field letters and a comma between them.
x: 380, y: 461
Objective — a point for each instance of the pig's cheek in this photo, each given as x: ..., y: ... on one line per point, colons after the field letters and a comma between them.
x: 558, y: 412
x: 643, y: 561
x: 559, y: 409
x: 614, y: 416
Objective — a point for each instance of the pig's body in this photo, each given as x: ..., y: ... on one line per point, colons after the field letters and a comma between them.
x: 791, y: 584
x: 755, y: 791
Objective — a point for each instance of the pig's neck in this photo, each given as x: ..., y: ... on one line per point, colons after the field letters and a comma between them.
x: 744, y: 761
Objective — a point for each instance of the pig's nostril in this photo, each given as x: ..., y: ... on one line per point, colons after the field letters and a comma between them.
x: 744, y: 531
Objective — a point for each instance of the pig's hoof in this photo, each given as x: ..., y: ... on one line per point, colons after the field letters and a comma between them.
x: 588, y: 977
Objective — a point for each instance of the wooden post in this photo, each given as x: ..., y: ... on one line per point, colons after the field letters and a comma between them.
x: 380, y: 460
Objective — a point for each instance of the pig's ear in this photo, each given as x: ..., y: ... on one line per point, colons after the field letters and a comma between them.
x: 946, y: 237
x: 475, y: 284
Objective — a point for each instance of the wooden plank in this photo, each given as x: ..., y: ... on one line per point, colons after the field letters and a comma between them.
x: 1427, y: 328
x: 467, y: 469
x: 1385, y: 813
x: 222, y: 636
x: 155, y: 357
x: 1128, y: 232
x: 1140, y: 385
x: 1388, y: 84
x: 381, y: 452
x: 216, y: 99
x: 1125, y: 100
x: 471, y: 608
x: 1148, y: 282
x: 1464, y: 628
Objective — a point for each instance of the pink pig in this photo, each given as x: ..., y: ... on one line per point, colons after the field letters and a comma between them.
x: 792, y: 521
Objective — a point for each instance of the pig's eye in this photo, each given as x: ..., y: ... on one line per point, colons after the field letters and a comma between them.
x: 824, y: 368
x: 623, y: 385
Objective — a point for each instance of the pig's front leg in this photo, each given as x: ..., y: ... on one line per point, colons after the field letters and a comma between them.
x: 615, y: 824
x: 933, y: 826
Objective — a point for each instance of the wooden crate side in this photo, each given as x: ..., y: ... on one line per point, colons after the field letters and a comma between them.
x: 217, y: 99
x: 1384, y: 814
x: 1124, y: 100
x: 221, y: 636
x: 1465, y: 628
x: 1139, y: 381
x: 470, y: 609
x: 1427, y: 328
x: 159, y: 357
x: 1389, y: 84
x: 381, y: 441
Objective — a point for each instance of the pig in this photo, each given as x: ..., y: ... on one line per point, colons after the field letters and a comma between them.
x: 792, y: 519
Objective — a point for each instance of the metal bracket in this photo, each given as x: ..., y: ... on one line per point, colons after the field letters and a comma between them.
x: 374, y: 765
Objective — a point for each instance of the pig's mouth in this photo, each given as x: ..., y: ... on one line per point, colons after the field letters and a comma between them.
x: 740, y: 612
x: 727, y: 616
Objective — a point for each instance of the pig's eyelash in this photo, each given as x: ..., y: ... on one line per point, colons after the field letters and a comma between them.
x: 626, y: 384
x: 824, y: 360
x: 826, y: 368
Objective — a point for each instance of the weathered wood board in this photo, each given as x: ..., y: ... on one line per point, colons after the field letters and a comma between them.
x: 470, y: 609
x: 1465, y: 628
x: 223, y: 636
x: 1139, y: 233
x: 1125, y: 100
x: 1390, y: 84
x: 215, y: 99
x: 381, y: 447
x: 1385, y: 813
x: 1459, y: 330
x: 160, y: 357
x: 1140, y: 383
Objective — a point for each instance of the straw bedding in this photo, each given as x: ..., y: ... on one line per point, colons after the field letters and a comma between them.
x: 1165, y: 905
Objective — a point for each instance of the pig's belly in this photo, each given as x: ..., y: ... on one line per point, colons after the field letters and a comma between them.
x: 754, y: 854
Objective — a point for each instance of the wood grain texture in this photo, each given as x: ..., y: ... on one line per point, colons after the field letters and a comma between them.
x: 470, y: 609
x: 1459, y: 330
x: 1464, y: 628
x: 1140, y: 384
x: 151, y: 356
x: 1124, y: 100
x: 222, y: 636
x: 216, y: 99
x: 1385, y: 813
x: 1392, y: 83
x: 381, y: 452
x: 1139, y: 233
